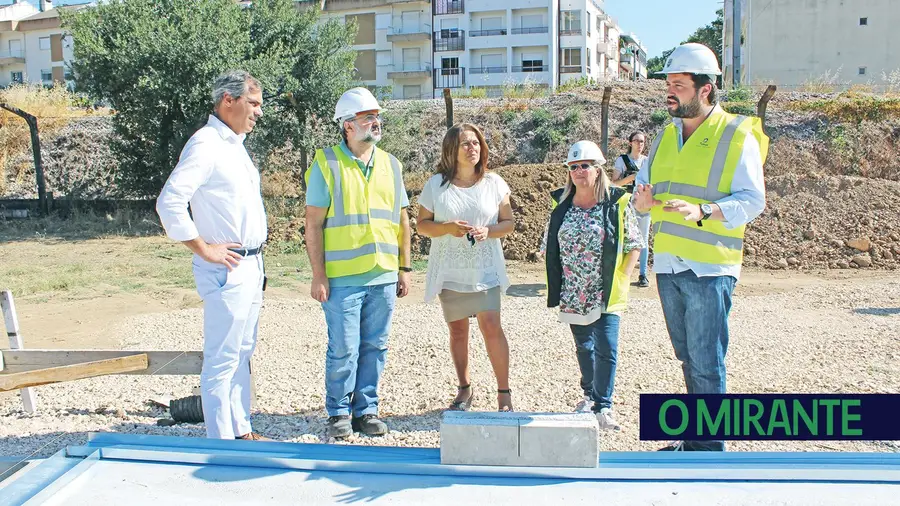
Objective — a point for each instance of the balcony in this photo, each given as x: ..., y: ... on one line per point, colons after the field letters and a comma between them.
x: 409, y: 70
x: 488, y: 70
x: 529, y: 29
x: 12, y: 57
x: 487, y: 33
x: 447, y: 7
x: 531, y: 68
x: 449, y: 78
x: 408, y: 32
x: 450, y: 40
x: 570, y: 69
x: 611, y: 49
x: 626, y: 60
x: 570, y: 31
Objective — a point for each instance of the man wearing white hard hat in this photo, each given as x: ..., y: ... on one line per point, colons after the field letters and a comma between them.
x: 358, y: 241
x: 593, y: 241
x: 702, y: 185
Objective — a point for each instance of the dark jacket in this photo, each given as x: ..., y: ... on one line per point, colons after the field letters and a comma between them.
x: 610, y: 243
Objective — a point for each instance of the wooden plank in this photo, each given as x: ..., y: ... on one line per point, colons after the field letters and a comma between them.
x: 29, y: 398
x: 160, y: 362
x: 72, y: 372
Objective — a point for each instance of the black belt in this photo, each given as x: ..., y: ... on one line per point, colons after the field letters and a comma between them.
x: 247, y: 252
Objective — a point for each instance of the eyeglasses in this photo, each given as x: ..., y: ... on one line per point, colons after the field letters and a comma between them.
x: 577, y: 166
x: 368, y: 118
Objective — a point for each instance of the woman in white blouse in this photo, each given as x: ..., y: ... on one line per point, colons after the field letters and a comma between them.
x: 465, y: 210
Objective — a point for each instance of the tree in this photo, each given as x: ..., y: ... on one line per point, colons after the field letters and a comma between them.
x: 709, y: 35
x: 153, y: 62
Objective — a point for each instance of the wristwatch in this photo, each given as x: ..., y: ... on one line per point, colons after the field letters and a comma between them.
x: 405, y: 269
x: 707, y: 211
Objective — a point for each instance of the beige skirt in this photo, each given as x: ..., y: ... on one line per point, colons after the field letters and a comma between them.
x: 460, y: 305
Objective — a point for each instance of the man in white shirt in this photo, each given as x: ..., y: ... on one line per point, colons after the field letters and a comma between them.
x: 216, y: 176
x: 703, y: 184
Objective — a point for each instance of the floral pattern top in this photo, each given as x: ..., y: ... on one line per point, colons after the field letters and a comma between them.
x: 581, y: 248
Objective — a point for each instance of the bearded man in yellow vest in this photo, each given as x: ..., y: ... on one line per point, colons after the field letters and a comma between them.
x: 702, y: 185
x: 358, y: 241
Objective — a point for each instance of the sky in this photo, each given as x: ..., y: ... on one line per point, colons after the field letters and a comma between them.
x: 662, y: 24
x: 659, y: 24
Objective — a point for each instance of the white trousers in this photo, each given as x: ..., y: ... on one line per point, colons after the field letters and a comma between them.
x: 231, y: 304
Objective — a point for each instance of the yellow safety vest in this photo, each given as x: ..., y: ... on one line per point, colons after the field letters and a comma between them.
x: 701, y: 172
x: 362, y: 227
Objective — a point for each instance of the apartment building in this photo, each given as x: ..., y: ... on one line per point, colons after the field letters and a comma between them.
x: 793, y: 42
x: 418, y: 48
x: 33, y: 46
x: 632, y: 58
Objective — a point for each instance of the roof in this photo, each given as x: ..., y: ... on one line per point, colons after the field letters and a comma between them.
x: 54, y: 13
x: 116, y: 468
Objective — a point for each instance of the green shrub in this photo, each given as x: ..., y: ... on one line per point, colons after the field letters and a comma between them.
x: 659, y: 116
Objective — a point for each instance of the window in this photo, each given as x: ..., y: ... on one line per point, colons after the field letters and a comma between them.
x: 863, y: 21
x: 449, y: 28
x: 44, y: 43
x: 412, y: 58
x: 588, y: 22
x: 15, y: 47
x: 532, y: 21
x: 862, y: 71
x: 46, y: 75
x: 495, y: 23
x: 588, y: 55
x: 571, y: 60
x: 16, y: 77
x: 571, y: 23
x: 412, y: 91
x: 450, y: 66
x: 492, y: 61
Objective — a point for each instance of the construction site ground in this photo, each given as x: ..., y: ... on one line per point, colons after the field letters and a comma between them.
x: 821, y: 331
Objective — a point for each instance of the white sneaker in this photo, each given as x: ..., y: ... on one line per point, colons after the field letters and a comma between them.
x: 607, y: 422
x: 584, y: 405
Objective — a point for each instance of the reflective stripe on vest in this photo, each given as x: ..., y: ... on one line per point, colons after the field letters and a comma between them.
x: 340, y: 218
x: 711, y: 193
x: 698, y: 235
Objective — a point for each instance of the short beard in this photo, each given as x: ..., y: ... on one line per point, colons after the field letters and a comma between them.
x: 688, y: 110
x: 370, y: 137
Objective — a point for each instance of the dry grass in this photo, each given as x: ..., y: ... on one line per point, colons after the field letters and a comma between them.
x: 853, y: 106
x: 54, y: 107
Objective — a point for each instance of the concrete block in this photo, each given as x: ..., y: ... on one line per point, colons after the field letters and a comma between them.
x: 519, y: 439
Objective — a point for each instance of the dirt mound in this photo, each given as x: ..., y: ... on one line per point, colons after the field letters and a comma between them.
x: 826, y: 222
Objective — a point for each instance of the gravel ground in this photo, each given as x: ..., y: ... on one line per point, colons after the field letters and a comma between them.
x: 834, y: 336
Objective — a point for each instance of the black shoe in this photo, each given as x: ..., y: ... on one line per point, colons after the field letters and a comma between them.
x: 370, y: 425
x: 339, y: 426
x: 675, y: 446
x: 643, y: 282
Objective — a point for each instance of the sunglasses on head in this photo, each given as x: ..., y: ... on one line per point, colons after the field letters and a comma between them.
x: 576, y: 166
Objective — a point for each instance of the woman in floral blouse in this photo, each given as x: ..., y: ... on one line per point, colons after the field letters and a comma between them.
x: 592, y: 245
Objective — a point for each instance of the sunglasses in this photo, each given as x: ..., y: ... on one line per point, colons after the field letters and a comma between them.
x: 576, y: 166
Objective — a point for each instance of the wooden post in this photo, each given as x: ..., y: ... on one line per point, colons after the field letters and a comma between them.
x: 36, y: 151
x: 448, y: 101
x: 604, y: 121
x: 29, y: 400
x: 764, y: 103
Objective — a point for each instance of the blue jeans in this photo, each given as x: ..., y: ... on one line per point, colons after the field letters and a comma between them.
x: 359, y: 321
x: 644, y: 224
x: 696, y: 311
x: 596, y: 347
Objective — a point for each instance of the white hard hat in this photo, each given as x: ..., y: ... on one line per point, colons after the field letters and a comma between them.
x: 585, y: 150
x: 355, y: 101
x: 692, y: 58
